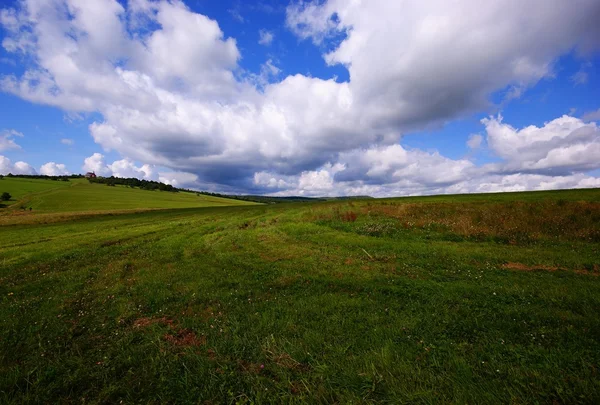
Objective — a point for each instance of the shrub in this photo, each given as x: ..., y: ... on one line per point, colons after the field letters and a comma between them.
x: 5, y: 196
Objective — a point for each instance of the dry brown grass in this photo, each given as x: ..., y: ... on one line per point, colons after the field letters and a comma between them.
x: 523, y: 267
x: 513, y: 222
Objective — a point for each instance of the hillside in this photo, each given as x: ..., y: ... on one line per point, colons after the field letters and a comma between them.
x: 19, y: 187
x: 78, y: 195
x: 453, y: 299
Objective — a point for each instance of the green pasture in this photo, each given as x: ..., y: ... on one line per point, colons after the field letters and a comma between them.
x: 78, y: 195
x: 430, y: 300
x: 20, y: 187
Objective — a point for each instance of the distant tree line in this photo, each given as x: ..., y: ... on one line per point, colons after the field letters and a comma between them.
x: 277, y: 200
x: 156, y: 185
x: 133, y: 182
x: 260, y: 198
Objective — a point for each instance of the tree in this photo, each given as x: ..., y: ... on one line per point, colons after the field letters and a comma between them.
x: 5, y: 196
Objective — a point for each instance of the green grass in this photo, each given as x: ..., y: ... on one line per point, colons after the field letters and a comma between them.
x: 78, y: 195
x: 20, y: 187
x: 375, y: 301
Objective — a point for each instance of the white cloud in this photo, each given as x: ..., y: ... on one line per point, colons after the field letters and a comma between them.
x: 163, y: 80
x: 475, y: 182
x: 592, y: 116
x: 581, y: 76
x: 439, y: 59
x: 119, y: 168
x: 6, y: 167
x: 178, y: 179
x: 524, y: 182
x: 319, y: 180
x: 312, y: 20
x: 67, y: 141
x: 96, y: 164
x: 268, y: 73
x: 7, y: 140
x: 556, y: 155
x: 273, y: 181
x: 126, y: 168
x: 474, y: 141
x: 54, y: 169
x: 564, y: 145
x: 265, y: 37
x: 236, y: 14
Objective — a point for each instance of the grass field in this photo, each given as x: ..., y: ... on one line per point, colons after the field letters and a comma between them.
x: 20, y: 187
x: 78, y: 195
x: 453, y: 299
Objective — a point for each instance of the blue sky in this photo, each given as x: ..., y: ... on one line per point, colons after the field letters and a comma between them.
x: 310, y: 98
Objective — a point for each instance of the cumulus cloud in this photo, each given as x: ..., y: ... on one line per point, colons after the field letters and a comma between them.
x: 119, y: 168
x: 556, y: 155
x: 438, y: 59
x: 564, y: 145
x: 96, y: 164
x: 127, y: 168
x: 475, y: 182
x: 7, y: 139
x: 6, y: 167
x: 163, y: 79
x: 54, y: 169
x: 67, y: 141
x: 265, y: 37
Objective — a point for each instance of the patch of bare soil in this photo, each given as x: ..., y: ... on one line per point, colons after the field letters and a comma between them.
x: 176, y: 336
x: 250, y: 368
x: 144, y: 322
x: 523, y: 267
x: 184, y: 337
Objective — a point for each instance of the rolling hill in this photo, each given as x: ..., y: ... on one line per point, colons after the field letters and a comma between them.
x: 78, y: 195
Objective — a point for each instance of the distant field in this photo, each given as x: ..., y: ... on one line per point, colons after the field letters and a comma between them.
x: 454, y: 299
x: 20, y: 187
x: 568, y: 195
x: 78, y: 195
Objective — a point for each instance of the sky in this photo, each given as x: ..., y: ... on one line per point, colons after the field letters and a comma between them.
x: 312, y: 98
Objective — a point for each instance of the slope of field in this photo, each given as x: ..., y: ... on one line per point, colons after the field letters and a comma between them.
x: 393, y: 301
x: 79, y: 195
x: 20, y: 187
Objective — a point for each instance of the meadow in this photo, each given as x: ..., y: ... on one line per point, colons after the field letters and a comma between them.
x: 78, y: 195
x: 448, y: 299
